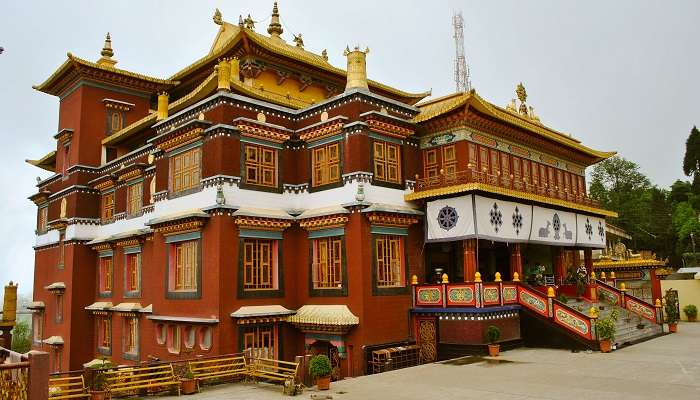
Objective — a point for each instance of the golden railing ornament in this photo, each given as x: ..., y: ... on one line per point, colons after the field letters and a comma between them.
x: 477, y: 277
x: 497, y: 277
x: 516, y: 277
x: 445, y: 278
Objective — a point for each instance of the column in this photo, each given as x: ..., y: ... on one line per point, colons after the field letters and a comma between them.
x: 588, y: 260
x: 470, y: 262
x: 559, y: 272
x: 516, y: 260
x: 655, y: 285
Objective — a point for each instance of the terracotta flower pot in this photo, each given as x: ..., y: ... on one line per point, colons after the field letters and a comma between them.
x: 673, y: 328
x: 605, y: 346
x: 188, y: 386
x: 323, y: 382
x: 98, y: 395
x: 693, y: 318
x: 494, y: 350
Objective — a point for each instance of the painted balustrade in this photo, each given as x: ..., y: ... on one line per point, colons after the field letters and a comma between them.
x: 621, y: 298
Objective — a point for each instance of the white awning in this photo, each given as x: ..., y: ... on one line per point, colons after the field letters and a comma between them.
x: 54, y: 341
x: 56, y: 286
x: 392, y: 208
x: 36, y: 305
x: 127, y: 307
x: 338, y: 315
x: 260, y: 311
x: 193, y: 320
x: 319, y: 212
x: 262, y: 213
x: 100, y: 306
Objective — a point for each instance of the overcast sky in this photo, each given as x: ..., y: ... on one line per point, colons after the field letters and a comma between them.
x: 618, y: 75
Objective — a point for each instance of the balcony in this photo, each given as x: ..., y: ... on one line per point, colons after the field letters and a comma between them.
x: 485, y: 180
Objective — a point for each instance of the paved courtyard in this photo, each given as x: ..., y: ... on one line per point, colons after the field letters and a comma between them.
x: 663, y: 368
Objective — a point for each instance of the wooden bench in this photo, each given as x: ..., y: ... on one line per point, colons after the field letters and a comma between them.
x: 219, y: 367
x: 70, y: 387
x: 274, y: 370
x: 128, y: 381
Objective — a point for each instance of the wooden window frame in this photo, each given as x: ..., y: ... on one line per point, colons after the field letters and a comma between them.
x: 184, y: 264
x: 246, y: 266
x: 43, y: 219
x: 132, y: 274
x: 326, y: 171
x: 104, y: 334
x: 430, y: 167
x: 380, y: 242
x: 257, y: 166
x: 105, y: 284
x: 107, y: 206
x: 335, y: 248
x: 256, y: 334
x: 173, y: 340
x: 58, y: 317
x: 37, y: 327
x: 130, y: 337
x: 186, y: 171
x: 134, y: 199
x: 449, y: 159
x: 260, y: 264
x: 384, y: 164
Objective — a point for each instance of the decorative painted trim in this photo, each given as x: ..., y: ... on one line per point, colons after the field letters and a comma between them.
x: 324, y: 222
x: 329, y: 232
x: 388, y: 230
x: 391, y: 219
x: 260, y: 234
x: 183, y: 237
x: 259, y: 223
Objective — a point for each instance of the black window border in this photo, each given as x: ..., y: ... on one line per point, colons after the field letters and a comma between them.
x: 393, y: 291
x: 278, y: 171
x: 343, y: 291
x: 261, y: 293
x: 172, y: 295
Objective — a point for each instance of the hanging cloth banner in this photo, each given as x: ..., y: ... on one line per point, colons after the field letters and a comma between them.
x: 553, y: 226
x: 591, y: 231
x: 502, y: 221
x: 450, y: 219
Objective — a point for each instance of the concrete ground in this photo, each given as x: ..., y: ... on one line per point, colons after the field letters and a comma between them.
x: 667, y: 367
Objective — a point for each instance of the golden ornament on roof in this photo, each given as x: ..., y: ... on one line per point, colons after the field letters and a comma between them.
x: 521, y: 92
x: 218, y: 19
x: 249, y: 23
x: 298, y: 40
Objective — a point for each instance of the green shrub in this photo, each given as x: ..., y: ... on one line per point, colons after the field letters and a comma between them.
x: 99, y: 382
x: 563, y: 298
x: 614, y: 314
x: 671, y: 307
x: 690, y: 311
x: 21, y: 340
x: 493, y: 334
x: 606, y: 329
x: 320, y: 366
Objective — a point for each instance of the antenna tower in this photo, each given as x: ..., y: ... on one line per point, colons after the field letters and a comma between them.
x: 461, y: 68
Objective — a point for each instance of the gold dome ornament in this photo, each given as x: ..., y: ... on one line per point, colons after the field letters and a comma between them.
x: 275, y: 28
x: 107, y: 53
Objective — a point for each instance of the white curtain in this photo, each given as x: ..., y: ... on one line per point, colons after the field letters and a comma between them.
x: 450, y: 219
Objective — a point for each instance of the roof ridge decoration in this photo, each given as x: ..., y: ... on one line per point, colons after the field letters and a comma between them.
x: 107, y: 53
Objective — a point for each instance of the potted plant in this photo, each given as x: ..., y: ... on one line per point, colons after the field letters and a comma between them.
x: 602, y: 298
x: 320, y: 369
x: 691, y: 312
x: 188, y: 383
x: 671, y: 310
x: 614, y: 314
x: 98, y: 386
x: 606, y: 333
x: 493, y: 334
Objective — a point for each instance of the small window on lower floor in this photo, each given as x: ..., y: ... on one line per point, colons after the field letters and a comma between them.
x: 37, y: 327
x: 104, y: 333
x: 161, y: 333
x: 389, y: 262
x: 131, y: 335
x: 327, y: 264
x: 173, y: 339
x: 190, y: 335
x: 204, y: 334
x: 261, y: 340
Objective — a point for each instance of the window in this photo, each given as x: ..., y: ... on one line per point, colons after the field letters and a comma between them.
x: 326, y: 165
x: 260, y: 166
x: 57, y: 359
x: 107, y: 206
x: 430, y: 163
x: 183, y: 266
x: 59, y: 308
x: 449, y: 160
x: 505, y: 165
x: 42, y: 225
x: 37, y: 327
x: 190, y: 336
x: 161, y: 334
x: 115, y: 120
x: 104, y: 333
x: 261, y: 341
x: 389, y: 261
x: 61, y: 249
x: 131, y: 335
x: 484, y: 158
x: 259, y: 264
x: 66, y: 161
x: 106, y: 274
x: 204, y: 334
x: 134, y: 196
x: 327, y: 263
x: 186, y: 170
x: 133, y: 273
x: 472, y: 155
x: 387, y: 162
x: 173, y: 339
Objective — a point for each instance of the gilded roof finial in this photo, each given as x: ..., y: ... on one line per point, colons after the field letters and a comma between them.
x: 107, y: 53
x: 324, y: 54
x: 357, y: 68
x: 275, y: 28
x: 240, y: 20
x: 299, y: 41
x: 249, y: 23
x: 218, y: 19
x: 522, y: 96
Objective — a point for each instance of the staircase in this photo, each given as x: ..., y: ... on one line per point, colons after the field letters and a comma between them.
x: 627, y: 331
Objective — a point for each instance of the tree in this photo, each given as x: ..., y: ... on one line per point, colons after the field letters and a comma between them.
x: 21, y: 341
x: 691, y: 160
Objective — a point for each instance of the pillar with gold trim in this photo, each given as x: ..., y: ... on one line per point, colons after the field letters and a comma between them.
x: 470, y: 262
x: 516, y: 260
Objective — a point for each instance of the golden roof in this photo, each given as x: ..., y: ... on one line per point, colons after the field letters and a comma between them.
x: 635, y: 262
x: 75, y: 61
x: 47, y: 162
x: 442, y: 105
x: 229, y: 35
x: 333, y: 315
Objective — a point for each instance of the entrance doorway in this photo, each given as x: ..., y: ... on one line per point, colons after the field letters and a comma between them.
x: 494, y: 257
x: 331, y: 351
x: 444, y: 258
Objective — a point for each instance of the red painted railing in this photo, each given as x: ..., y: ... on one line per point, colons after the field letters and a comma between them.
x: 634, y: 304
x: 503, y: 181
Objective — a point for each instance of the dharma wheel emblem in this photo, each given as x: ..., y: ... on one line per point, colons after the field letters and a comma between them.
x: 517, y: 221
x: 447, y: 218
x: 556, y: 224
x: 496, y: 217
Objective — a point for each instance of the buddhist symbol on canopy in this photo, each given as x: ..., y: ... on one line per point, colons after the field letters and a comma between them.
x: 447, y: 218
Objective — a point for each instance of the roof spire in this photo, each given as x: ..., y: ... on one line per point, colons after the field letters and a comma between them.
x: 218, y: 18
x: 275, y: 28
x: 107, y: 53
